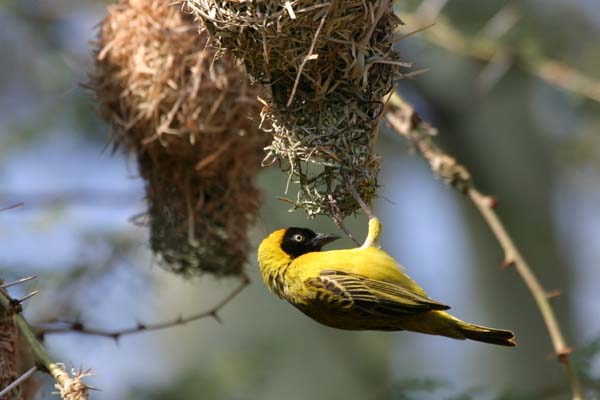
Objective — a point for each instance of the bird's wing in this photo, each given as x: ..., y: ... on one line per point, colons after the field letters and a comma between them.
x: 348, y: 290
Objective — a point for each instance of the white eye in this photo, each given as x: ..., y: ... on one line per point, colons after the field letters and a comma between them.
x: 298, y: 237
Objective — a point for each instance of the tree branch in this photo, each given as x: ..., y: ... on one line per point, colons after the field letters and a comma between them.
x: 480, y: 47
x: 69, y: 387
x: 406, y: 122
x: 78, y: 327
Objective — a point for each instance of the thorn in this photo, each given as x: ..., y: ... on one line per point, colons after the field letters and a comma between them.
x: 552, y: 294
x: 141, y: 326
x: 507, y: 263
x: 17, y: 205
x: 415, y: 119
x: 15, y: 306
x: 42, y: 368
x: 115, y: 336
x: 18, y: 282
x: 563, y: 354
x: 4, y: 393
x: 414, y: 74
x: 77, y: 326
x: 30, y: 295
x: 492, y: 202
x: 216, y: 316
x: 354, y: 193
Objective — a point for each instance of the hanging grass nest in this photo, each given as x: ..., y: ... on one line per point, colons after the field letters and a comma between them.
x: 329, y: 66
x: 9, y: 338
x: 192, y: 120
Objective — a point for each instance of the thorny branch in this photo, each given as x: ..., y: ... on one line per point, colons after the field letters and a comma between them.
x: 69, y: 387
x: 79, y: 327
x: 407, y: 123
x: 72, y: 387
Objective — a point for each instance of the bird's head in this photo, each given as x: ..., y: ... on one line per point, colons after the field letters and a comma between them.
x: 298, y: 241
x: 283, y: 245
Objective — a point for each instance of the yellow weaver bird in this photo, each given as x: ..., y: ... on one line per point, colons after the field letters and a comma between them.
x: 362, y: 288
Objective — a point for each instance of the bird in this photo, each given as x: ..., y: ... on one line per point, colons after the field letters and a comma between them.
x: 361, y: 288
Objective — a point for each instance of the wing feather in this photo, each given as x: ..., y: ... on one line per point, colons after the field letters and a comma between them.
x: 348, y: 290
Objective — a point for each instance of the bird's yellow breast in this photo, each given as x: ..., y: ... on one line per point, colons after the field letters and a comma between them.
x: 274, y: 263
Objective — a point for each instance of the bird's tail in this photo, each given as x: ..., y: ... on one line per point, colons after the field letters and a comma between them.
x: 487, y: 335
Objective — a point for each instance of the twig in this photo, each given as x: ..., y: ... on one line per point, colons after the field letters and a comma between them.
x: 70, y: 388
x: 419, y: 134
x: 17, y: 205
x: 339, y: 220
x: 501, y: 23
x: 482, y: 48
x: 430, y: 9
x: 78, y: 327
x: 541, y: 296
x: 17, y: 282
x: 309, y: 56
x: 42, y: 198
x: 366, y: 209
x: 18, y: 381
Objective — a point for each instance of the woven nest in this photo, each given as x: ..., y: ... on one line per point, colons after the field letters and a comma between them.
x: 329, y: 65
x: 185, y: 115
x: 9, y: 337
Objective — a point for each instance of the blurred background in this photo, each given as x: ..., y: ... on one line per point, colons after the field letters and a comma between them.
x: 528, y: 133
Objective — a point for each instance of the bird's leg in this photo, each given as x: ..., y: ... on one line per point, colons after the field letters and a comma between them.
x: 374, y: 224
x: 373, y: 235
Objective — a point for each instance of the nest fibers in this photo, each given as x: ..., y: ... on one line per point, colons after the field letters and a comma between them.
x: 185, y: 115
x: 329, y: 64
